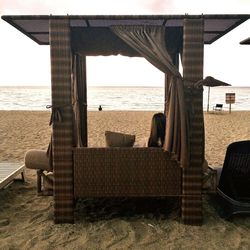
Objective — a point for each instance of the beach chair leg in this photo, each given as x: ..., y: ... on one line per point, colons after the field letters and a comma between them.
x: 39, y: 181
x: 23, y: 176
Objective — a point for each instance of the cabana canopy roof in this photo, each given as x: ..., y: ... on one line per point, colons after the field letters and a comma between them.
x: 37, y: 27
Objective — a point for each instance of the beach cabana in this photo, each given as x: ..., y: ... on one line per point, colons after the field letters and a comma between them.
x: 175, y: 170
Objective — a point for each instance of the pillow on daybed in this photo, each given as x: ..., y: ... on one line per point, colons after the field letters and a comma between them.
x: 37, y: 159
x: 115, y: 139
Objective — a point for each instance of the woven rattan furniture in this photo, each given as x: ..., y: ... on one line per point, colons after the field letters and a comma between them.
x: 125, y: 172
x: 234, y: 184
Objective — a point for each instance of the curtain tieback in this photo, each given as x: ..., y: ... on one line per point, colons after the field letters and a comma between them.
x: 56, y: 115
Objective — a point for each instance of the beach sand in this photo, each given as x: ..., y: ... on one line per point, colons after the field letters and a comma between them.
x: 26, y: 220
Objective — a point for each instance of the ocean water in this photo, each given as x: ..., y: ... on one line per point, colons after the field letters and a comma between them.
x: 117, y: 98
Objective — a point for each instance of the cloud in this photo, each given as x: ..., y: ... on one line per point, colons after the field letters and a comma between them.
x: 160, y: 6
x: 211, y: 6
x: 32, y: 7
x: 83, y: 7
x: 94, y: 7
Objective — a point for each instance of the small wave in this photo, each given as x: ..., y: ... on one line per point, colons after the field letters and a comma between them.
x: 116, y: 98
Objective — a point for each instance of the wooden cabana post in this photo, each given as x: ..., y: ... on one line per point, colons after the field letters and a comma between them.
x: 62, y: 135
x: 193, y: 47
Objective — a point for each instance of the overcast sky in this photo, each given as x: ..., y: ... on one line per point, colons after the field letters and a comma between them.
x: 23, y: 62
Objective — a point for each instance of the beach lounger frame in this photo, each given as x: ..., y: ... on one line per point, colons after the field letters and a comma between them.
x: 218, y: 107
x: 234, y: 185
x: 9, y: 171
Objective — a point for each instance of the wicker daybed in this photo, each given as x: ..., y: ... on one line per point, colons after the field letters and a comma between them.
x: 125, y: 172
x: 175, y: 170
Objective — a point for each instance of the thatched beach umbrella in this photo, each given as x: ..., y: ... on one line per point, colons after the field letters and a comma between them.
x: 209, y: 81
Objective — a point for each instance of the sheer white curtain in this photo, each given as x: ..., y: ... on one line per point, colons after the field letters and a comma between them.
x: 149, y: 41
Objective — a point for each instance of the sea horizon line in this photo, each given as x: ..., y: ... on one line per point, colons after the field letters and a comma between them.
x: 107, y: 86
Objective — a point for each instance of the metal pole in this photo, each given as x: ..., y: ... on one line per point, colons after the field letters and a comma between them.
x: 208, y: 95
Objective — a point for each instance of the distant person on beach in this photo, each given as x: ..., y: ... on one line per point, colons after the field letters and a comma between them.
x: 157, y: 133
x: 100, y: 108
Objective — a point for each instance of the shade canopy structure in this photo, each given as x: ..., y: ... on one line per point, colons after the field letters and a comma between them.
x: 161, y: 39
x: 37, y: 27
x: 245, y: 41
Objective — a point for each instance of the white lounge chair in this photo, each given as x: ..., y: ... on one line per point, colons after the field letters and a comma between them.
x: 9, y: 171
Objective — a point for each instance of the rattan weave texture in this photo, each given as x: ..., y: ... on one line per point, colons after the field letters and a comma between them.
x: 129, y: 172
